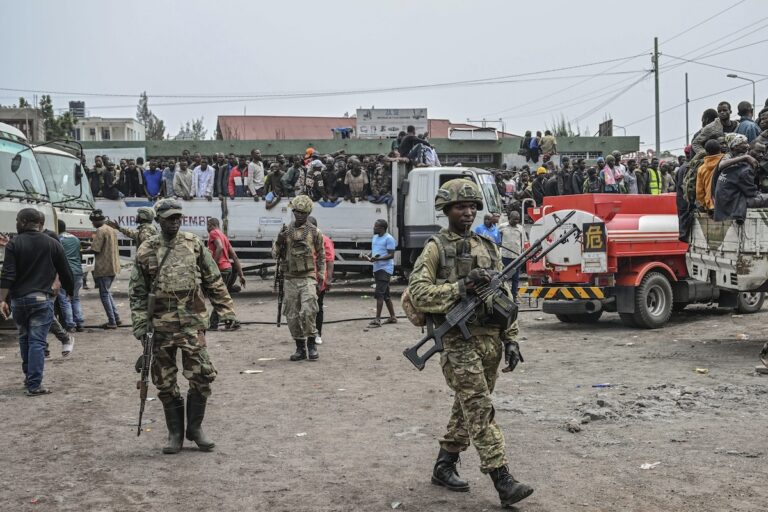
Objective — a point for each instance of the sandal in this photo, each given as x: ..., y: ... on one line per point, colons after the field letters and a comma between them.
x: 375, y: 323
x: 390, y: 320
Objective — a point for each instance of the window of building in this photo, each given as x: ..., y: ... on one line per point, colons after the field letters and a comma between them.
x: 78, y: 134
x: 92, y: 132
x: 105, y: 134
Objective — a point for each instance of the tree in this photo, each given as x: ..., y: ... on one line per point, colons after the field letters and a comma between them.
x: 192, y: 130
x: 562, y: 128
x: 23, y: 103
x: 154, y: 127
x: 56, y: 127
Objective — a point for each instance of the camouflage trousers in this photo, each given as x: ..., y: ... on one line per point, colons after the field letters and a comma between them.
x: 300, y: 306
x: 197, y: 366
x: 470, y: 368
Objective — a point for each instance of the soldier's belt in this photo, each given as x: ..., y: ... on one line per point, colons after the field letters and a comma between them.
x: 563, y: 292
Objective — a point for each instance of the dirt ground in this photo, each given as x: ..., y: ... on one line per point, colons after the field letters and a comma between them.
x: 356, y: 431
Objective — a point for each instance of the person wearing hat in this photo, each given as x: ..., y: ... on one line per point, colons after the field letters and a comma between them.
x: 456, y: 262
x: 146, y: 229
x: 180, y: 271
x: 106, y: 265
x: 298, y: 247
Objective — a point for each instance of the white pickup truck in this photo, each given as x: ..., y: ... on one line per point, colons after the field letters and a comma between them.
x: 252, y: 228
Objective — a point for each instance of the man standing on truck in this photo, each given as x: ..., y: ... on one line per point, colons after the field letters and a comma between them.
x: 453, y: 263
x: 299, y: 246
x: 145, y: 230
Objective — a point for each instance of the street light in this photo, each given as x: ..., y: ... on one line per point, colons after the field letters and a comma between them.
x: 733, y: 75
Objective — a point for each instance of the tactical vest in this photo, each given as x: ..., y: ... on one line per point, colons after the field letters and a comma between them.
x: 145, y: 232
x: 654, y: 181
x: 300, y: 255
x: 456, y: 260
x: 180, y: 272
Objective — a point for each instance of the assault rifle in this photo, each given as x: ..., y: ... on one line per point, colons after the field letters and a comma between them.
x: 504, y: 309
x: 146, y: 359
x: 280, y: 279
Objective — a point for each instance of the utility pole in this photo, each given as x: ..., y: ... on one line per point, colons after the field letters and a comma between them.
x: 687, y: 101
x: 656, y: 87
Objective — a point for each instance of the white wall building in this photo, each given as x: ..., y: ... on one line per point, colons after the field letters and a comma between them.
x: 109, y: 128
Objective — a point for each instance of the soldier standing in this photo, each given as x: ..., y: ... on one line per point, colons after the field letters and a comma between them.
x: 145, y: 229
x: 454, y: 263
x: 299, y: 246
x: 181, y: 279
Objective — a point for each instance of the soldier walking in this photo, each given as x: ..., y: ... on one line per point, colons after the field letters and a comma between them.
x: 299, y: 246
x: 145, y: 229
x: 180, y: 270
x: 454, y: 263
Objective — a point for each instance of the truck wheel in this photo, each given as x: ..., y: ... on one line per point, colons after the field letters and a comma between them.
x: 628, y: 319
x: 566, y: 319
x: 586, y: 318
x: 653, y: 301
x: 750, y: 302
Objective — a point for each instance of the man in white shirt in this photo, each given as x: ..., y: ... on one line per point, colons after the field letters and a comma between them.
x: 202, y: 181
x: 255, y: 179
x: 512, y: 243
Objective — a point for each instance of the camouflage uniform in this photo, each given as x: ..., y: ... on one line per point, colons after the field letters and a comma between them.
x: 187, y: 276
x: 304, y: 260
x: 146, y: 229
x: 381, y: 181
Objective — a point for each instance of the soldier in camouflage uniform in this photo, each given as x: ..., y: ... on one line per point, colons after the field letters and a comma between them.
x: 144, y: 231
x: 185, y: 278
x: 454, y: 263
x: 303, y: 263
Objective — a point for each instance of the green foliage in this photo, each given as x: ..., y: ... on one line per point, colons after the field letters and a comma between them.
x: 56, y: 127
x: 154, y: 127
x: 562, y: 128
x: 23, y: 103
x: 192, y: 130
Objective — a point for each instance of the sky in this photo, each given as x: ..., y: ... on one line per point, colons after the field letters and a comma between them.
x: 528, y: 63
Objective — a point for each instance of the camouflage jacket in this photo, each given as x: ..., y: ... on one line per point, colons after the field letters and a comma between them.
x: 304, y: 252
x: 144, y: 232
x: 432, y: 295
x: 188, y: 275
x: 381, y: 181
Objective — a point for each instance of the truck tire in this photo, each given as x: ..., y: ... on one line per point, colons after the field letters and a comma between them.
x: 750, y: 302
x: 653, y: 301
x: 586, y: 318
x: 566, y: 319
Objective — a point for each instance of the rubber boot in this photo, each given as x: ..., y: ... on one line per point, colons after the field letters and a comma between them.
x: 312, y: 349
x: 174, y: 420
x: 445, y: 473
x: 301, y: 351
x: 510, y: 490
x: 195, y: 414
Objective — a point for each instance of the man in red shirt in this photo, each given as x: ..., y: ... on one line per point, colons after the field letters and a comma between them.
x: 221, y: 249
x: 330, y: 255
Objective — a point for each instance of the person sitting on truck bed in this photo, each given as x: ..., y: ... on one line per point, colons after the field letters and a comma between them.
x: 716, y: 128
x: 313, y: 180
x: 734, y: 183
x: 274, y: 185
x: 291, y: 176
x: 182, y: 181
x: 381, y: 182
x: 356, y: 181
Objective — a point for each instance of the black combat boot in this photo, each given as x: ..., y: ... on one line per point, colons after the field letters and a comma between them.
x: 174, y: 420
x: 301, y: 351
x: 445, y: 473
x: 510, y: 490
x: 312, y: 349
x: 195, y: 414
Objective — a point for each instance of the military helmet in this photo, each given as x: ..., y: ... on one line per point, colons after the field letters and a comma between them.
x: 167, y: 207
x: 301, y: 203
x: 145, y: 214
x: 458, y: 191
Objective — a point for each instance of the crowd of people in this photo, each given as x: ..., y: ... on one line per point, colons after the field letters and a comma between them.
x: 322, y: 177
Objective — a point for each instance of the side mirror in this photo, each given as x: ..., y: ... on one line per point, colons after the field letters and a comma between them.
x: 78, y: 174
x: 16, y: 163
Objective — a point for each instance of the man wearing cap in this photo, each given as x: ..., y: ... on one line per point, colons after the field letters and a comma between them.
x: 179, y: 269
x: 299, y: 246
x: 145, y: 230
x: 454, y: 263
x: 106, y: 265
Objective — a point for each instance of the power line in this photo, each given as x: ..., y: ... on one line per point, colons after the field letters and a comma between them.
x: 612, y: 98
x: 693, y: 61
x: 697, y: 25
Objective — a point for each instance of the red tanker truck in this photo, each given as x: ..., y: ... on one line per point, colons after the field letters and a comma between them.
x: 628, y: 259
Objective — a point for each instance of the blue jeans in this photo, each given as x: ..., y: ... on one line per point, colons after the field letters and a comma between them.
x: 515, y: 281
x: 33, y: 315
x: 104, y: 283
x: 71, y: 309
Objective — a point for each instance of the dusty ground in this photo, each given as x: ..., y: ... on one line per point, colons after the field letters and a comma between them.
x: 356, y: 431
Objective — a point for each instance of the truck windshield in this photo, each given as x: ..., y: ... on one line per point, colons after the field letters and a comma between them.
x: 59, y: 175
x: 27, y: 181
x: 491, y: 193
